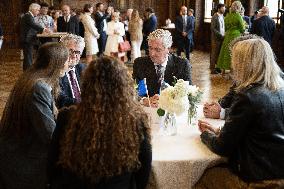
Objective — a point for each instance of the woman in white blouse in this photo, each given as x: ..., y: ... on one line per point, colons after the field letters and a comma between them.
x: 115, y: 31
x: 91, y: 33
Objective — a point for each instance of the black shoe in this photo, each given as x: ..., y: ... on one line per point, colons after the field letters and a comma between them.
x: 216, y: 71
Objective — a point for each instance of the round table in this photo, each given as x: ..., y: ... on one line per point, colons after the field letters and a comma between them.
x: 179, y: 161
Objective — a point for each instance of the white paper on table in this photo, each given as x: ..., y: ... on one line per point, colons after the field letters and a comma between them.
x: 1, y: 42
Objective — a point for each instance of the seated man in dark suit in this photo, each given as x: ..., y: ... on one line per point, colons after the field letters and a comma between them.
x: 160, y: 66
x: 67, y: 22
x: 70, y: 84
x: 149, y: 25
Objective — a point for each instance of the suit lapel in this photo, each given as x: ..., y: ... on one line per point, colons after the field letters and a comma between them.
x: 169, y: 70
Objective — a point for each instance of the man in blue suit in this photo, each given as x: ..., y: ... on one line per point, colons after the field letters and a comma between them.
x: 70, y: 83
x: 149, y: 25
x: 101, y: 24
x: 184, y: 32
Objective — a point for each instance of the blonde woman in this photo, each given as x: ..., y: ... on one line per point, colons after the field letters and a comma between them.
x: 136, y: 36
x: 91, y: 33
x: 253, y: 135
x: 115, y: 32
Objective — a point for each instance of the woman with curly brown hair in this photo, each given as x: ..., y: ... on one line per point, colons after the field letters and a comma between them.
x: 104, y: 142
x: 29, y: 120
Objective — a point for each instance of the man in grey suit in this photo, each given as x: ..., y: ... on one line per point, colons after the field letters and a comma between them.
x: 29, y: 29
x: 217, y: 36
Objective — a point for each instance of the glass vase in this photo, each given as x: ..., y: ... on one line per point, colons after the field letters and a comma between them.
x: 168, y: 125
x: 192, y: 115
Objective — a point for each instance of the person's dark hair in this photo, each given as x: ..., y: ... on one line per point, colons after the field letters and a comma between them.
x: 220, y: 5
x: 150, y: 10
x: 104, y: 136
x: 98, y: 5
x: 87, y: 7
x: 44, y: 4
x: 50, y: 61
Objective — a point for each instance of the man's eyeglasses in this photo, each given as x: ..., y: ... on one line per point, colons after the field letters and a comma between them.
x: 73, y: 52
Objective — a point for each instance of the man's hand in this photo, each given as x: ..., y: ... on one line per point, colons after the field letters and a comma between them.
x: 212, y: 110
x: 205, y: 126
x: 46, y: 30
x: 184, y: 34
x: 154, y: 101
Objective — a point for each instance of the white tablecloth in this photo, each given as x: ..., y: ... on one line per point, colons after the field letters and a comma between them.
x: 179, y: 161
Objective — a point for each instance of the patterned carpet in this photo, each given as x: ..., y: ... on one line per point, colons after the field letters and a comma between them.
x: 213, y: 86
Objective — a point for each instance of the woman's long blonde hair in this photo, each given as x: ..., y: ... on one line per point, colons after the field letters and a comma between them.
x: 104, y: 136
x: 236, y: 7
x: 253, y: 61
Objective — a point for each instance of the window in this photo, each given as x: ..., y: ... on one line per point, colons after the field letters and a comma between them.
x: 209, y: 8
x: 273, y: 6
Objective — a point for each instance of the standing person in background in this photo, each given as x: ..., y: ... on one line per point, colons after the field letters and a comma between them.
x: 91, y: 33
x: 1, y: 36
x: 217, y: 36
x: 264, y: 26
x: 43, y: 18
x: 149, y: 25
x: 136, y: 36
x: 45, y: 21
x: 29, y: 29
x: 246, y: 20
x: 28, y: 120
x: 234, y: 27
x: 184, y: 28
x: 109, y: 12
x: 101, y: 25
x: 67, y: 22
x: 55, y: 15
x: 191, y: 40
x: 127, y: 33
x: 115, y: 32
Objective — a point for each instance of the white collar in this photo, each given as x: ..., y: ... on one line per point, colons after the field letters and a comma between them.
x: 220, y: 14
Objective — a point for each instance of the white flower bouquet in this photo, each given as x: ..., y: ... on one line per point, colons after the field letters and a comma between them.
x: 174, y: 100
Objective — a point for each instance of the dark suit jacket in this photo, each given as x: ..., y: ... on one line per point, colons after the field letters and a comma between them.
x: 29, y: 29
x: 1, y: 30
x: 149, y: 25
x: 100, y: 21
x: 215, y: 28
x: 189, y: 27
x: 23, y: 159
x: 264, y: 27
x: 144, y: 68
x: 62, y: 178
x: 71, y: 27
x: 253, y: 135
x: 65, y: 97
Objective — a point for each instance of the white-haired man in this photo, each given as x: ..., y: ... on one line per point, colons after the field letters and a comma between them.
x: 160, y: 66
x: 264, y: 26
x: 29, y: 29
x: 70, y: 84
